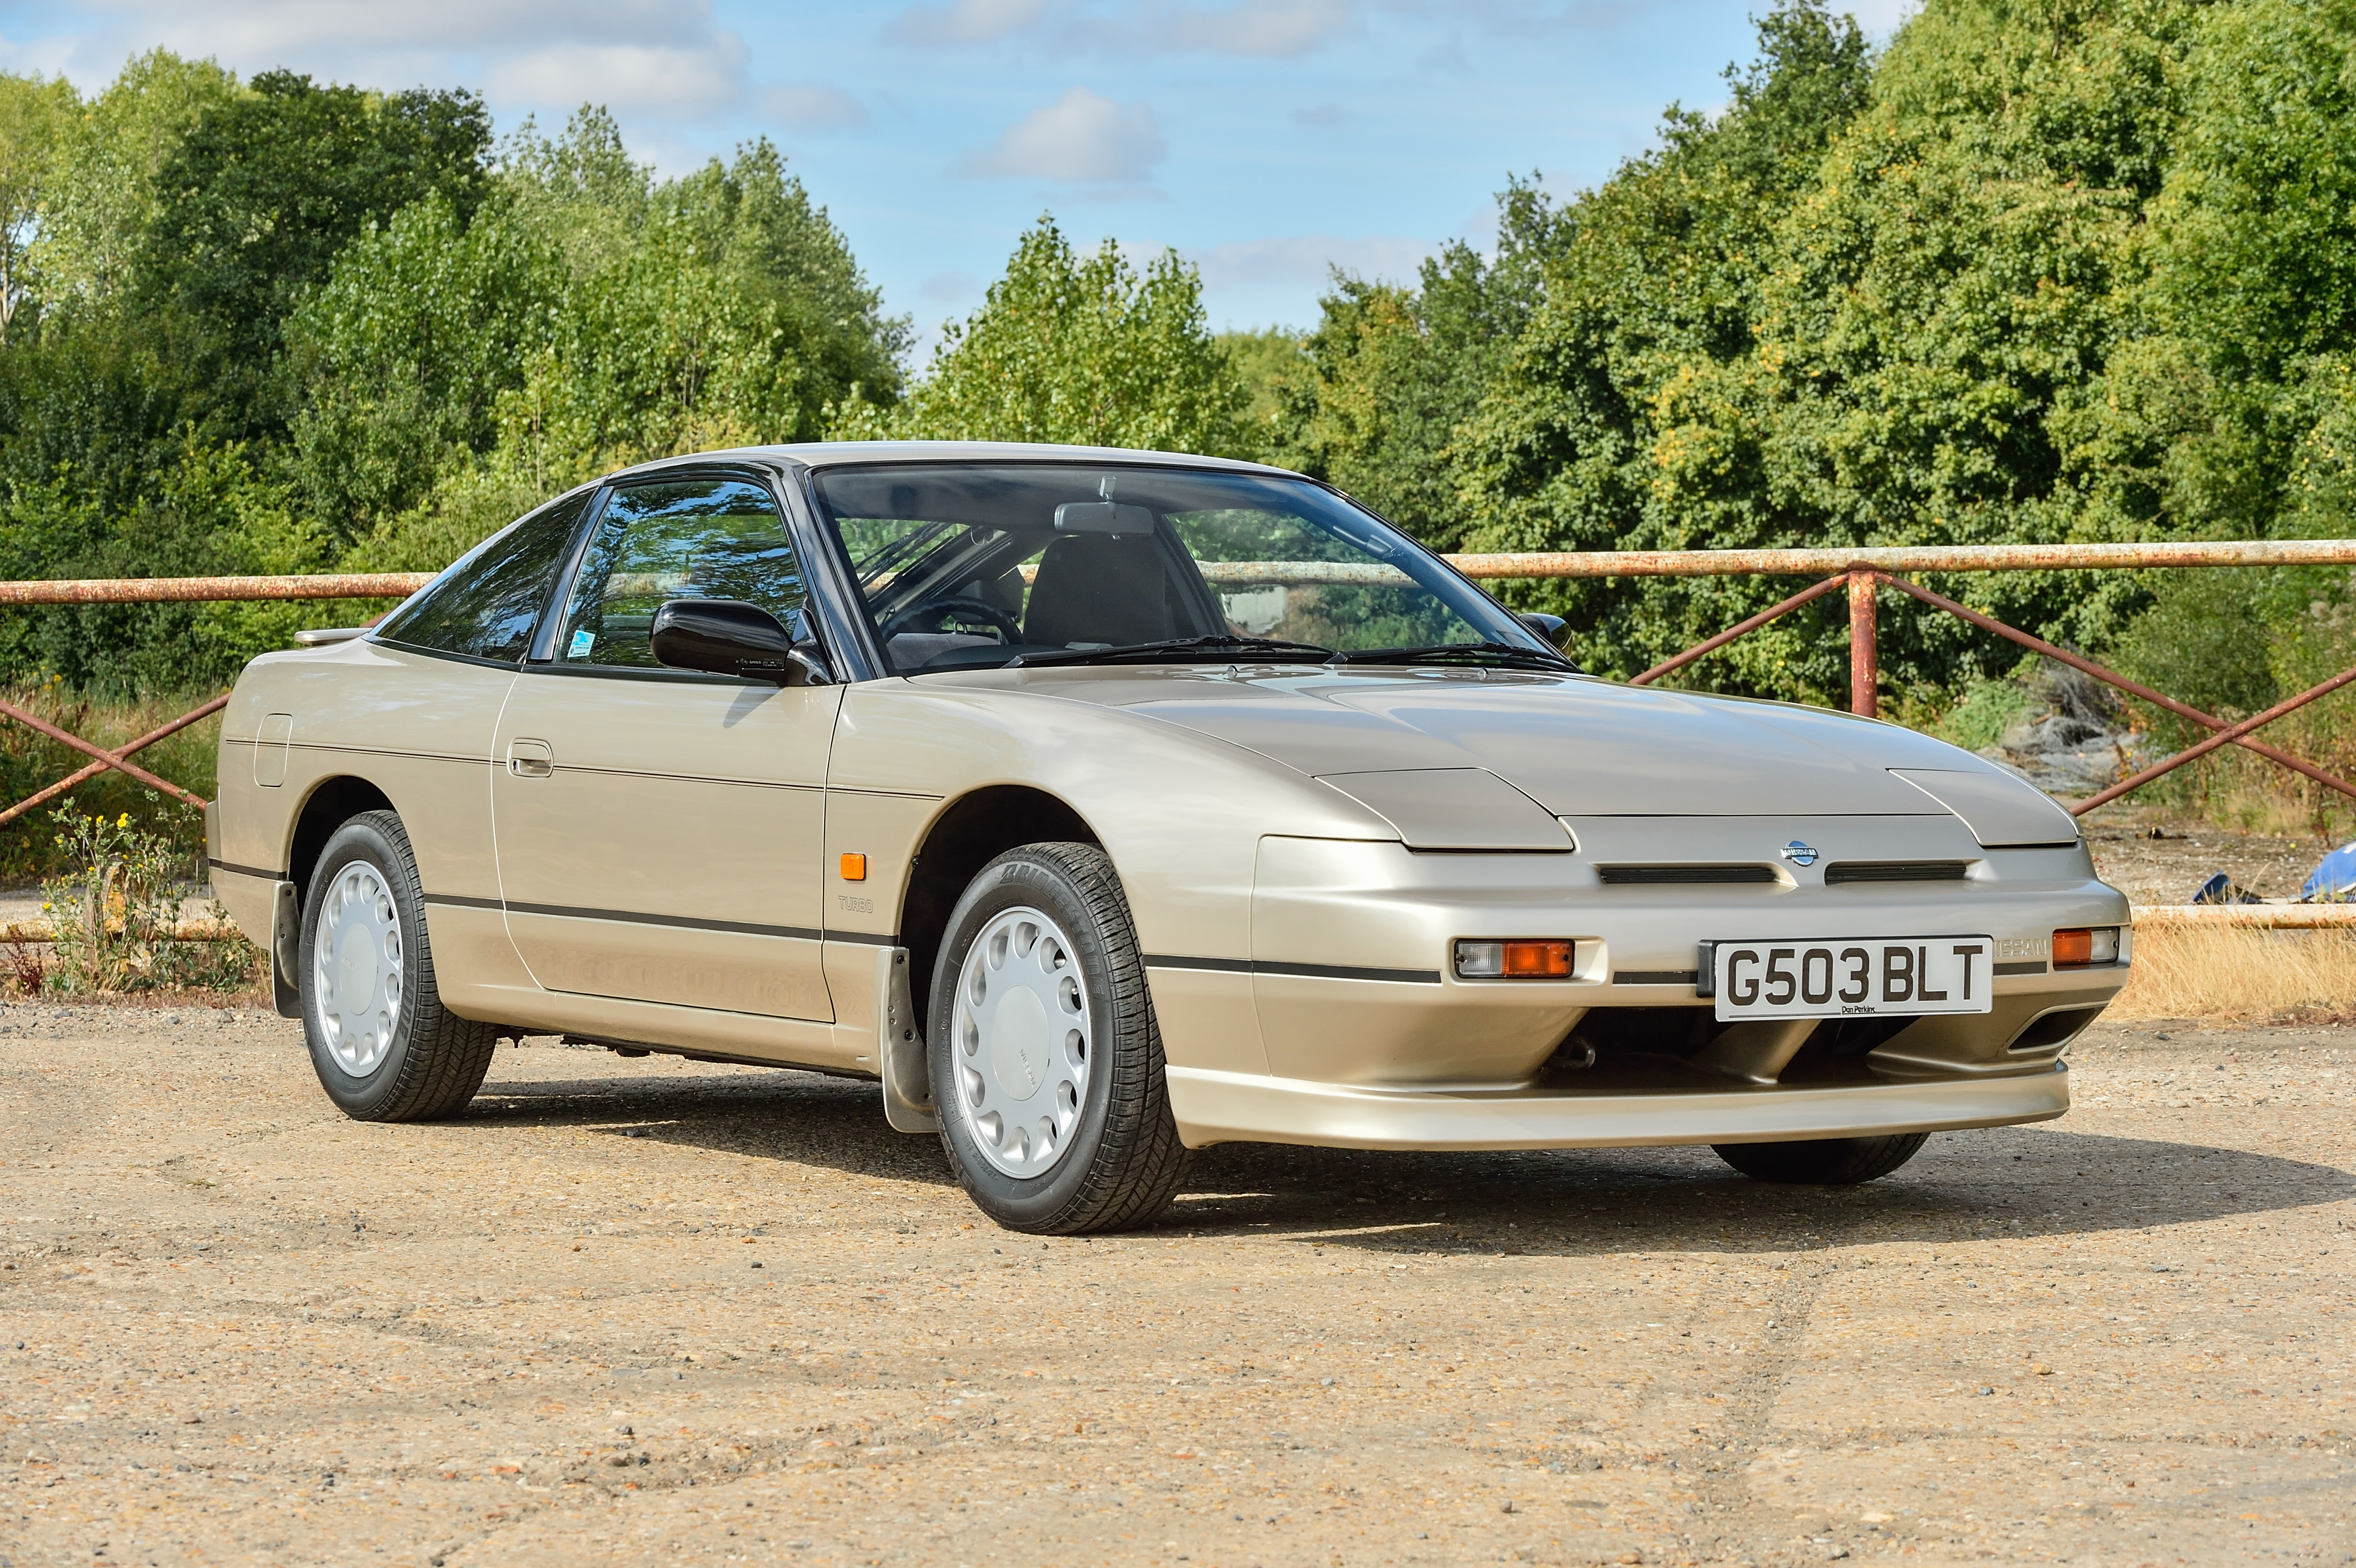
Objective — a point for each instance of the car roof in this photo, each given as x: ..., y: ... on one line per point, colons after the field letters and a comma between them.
x: 837, y: 453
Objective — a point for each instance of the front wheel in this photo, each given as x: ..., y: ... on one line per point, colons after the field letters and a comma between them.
x: 1046, y: 1063
x: 384, y: 1047
x: 1830, y: 1162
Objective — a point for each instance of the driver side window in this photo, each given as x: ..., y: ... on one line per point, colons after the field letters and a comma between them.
x: 694, y: 539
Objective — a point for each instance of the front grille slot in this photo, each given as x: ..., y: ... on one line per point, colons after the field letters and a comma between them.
x: 1682, y: 876
x: 1895, y: 871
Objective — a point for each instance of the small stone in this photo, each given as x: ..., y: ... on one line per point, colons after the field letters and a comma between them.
x: 2041, y: 1370
x: 756, y: 1262
x: 1507, y: 1507
x: 1985, y: 1389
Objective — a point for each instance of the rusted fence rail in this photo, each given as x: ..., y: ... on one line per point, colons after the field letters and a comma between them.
x: 1861, y: 573
x: 172, y: 590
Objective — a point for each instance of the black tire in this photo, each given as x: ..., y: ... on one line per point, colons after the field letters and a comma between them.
x: 1830, y: 1162
x: 1119, y: 1164
x: 435, y: 1060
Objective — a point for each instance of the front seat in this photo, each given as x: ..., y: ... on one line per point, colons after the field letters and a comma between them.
x: 1099, y: 588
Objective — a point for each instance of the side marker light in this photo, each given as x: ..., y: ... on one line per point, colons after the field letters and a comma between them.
x: 2085, y: 947
x: 1518, y: 959
x: 855, y: 867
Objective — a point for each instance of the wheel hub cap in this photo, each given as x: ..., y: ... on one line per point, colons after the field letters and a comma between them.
x: 1022, y: 1042
x: 356, y: 969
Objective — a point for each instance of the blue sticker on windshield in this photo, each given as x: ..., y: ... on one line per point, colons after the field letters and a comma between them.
x: 581, y: 643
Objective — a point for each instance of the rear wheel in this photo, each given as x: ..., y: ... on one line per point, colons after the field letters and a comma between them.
x: 1832, y: 1162
x: 382, y: 1044
x: 1046, y: 1063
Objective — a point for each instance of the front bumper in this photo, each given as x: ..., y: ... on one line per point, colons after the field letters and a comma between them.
x: 1214, y: 1107
x: 1350, y: 944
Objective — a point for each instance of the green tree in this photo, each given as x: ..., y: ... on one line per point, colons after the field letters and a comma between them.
x: 102, y: 197
x: 1374, y: 401
x: 587, y: 316
x: 404, y: 355
x: 268, y: 185
x: 1623, y: 415
x: 1076, y: 348
x: 33, y: 116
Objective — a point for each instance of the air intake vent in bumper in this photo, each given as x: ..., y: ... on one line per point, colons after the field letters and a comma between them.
x: 1682, y: 876
x: 1895, y: 871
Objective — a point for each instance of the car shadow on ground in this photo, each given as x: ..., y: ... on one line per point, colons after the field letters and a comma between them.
x: 2036, y: 1181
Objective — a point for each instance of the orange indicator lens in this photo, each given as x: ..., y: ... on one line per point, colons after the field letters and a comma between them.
x: 1528, y: 959
x: 855, y: 867
x: 2073, y: 949
x: 1537, y: 960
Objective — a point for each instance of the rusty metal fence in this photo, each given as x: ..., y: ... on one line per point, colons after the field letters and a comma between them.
x: 1862, y: 574
x: 172, y: 590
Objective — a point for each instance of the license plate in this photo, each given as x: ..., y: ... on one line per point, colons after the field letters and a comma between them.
x: 1830, y: 977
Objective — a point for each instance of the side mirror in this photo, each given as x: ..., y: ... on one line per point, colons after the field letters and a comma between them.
x: 1549, y: 627
x: 728, y: 637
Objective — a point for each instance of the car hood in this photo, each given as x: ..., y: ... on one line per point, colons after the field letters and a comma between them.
x: 1578, y: 746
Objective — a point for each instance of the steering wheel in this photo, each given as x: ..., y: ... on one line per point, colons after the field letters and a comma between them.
x: 927, y: 615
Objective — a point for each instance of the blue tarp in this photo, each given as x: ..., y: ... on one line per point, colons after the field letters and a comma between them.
x: 2220, y: 890
x: 2334, y: 881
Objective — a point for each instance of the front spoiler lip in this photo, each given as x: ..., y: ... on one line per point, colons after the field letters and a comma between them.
x: 1214, y: 1107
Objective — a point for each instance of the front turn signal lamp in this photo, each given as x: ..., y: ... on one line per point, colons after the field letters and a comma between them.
x: 1517, y: 958
x: 2085, y: 947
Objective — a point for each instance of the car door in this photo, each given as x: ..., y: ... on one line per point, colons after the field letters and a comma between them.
x: 658, y: 830
x: 416, y: 717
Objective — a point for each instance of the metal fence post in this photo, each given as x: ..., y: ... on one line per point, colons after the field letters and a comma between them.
x: 1864, y: 649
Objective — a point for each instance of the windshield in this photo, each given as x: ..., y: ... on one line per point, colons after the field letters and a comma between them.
x: 966, y: 566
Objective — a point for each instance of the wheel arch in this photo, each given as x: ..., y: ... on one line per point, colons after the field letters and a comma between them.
x: 969, y: 832
x: 331, y: 803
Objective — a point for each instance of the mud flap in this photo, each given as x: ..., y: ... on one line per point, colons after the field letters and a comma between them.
x: 900, y: 1048
x: 285, y: 936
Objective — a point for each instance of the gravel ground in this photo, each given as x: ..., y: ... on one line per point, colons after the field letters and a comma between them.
x: 659, y: 1311
x: 2170, y: 870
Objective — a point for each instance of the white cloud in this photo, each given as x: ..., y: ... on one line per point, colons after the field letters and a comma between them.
x: 1308, y: 258
x: 666, y: 59
x: 669, y: 80
x: 1266, y: 27
x: 812, y: 106
x: 246, y: 29
x: 1249, y: 28
x: 1880, y: 18
x: 1079, y: 139
x: 965, y: 21
x: 51, y: 56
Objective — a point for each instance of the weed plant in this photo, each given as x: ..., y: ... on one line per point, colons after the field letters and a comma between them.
x: 117, y: 913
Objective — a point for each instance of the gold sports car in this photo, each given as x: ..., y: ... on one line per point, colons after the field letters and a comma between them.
x: 1102, y: 804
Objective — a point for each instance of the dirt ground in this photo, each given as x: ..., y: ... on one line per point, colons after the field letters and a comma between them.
x: 657, y: 1311
x: 2168, y: 869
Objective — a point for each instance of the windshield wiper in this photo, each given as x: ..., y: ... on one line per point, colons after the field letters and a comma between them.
x: 1460, y: 653
x: 1219, y: 646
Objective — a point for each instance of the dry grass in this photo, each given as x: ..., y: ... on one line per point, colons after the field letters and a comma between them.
x: 2238, y: 974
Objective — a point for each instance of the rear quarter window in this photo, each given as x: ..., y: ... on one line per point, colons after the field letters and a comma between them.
x: 489, y: 604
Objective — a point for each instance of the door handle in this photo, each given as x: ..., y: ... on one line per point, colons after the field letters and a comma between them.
x: 530, y: 758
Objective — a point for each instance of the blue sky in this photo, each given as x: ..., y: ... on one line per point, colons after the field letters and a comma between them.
x: 1267, y: 139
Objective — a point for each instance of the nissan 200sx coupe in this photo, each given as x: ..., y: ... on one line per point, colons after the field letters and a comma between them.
x: 1101, y: 805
